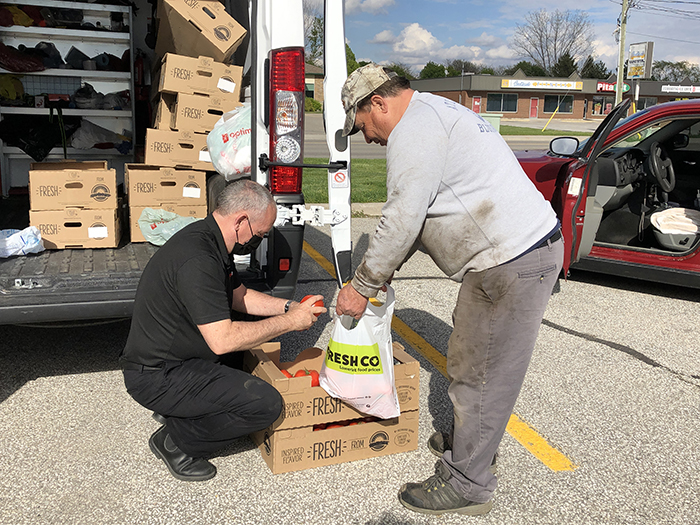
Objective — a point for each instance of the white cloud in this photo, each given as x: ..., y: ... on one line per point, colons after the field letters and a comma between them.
x: 384, y: 37
x: 367, y: 6
x: 500, y: 53
x: 416, y: 41
x: 486, y: 40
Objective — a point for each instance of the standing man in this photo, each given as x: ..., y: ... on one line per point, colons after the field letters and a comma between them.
x: 455, y: 187
x: 182, y: 324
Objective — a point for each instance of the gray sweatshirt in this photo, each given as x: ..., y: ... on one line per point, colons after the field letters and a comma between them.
x: 454, y: 187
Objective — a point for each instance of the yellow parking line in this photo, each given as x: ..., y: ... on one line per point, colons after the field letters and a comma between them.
x: 519, y: 429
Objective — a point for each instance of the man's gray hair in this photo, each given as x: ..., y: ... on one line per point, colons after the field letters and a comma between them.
x: 245, y: 195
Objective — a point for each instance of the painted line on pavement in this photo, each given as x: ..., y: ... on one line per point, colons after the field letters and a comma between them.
x: 519, y: 429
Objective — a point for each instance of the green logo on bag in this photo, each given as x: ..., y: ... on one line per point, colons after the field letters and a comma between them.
x: 354, y: 359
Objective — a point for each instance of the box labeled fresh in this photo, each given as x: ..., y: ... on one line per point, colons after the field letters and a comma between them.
x: 77, y: 227
x: 56, y: 185
x: 154, y: 185
x: 197, y: 27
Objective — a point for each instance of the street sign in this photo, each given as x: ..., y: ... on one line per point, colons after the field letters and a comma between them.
x: 640, y: 60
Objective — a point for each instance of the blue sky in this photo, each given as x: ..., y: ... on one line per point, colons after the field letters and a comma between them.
x: 414, y: 32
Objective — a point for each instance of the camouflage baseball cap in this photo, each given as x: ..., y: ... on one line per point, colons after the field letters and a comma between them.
x: 360, y: 84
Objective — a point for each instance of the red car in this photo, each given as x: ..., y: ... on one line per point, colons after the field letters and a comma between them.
x: 628, y: 197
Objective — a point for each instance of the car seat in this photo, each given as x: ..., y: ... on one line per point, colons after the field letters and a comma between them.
x: 676, y: 229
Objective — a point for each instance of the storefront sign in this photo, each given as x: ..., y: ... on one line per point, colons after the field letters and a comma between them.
x: 611, y: 87
x: 541, y: 84
x: 639, y: 64
x: 680, y: 89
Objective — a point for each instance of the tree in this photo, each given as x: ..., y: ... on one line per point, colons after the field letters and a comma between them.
x: 314, y: 42
x: 487, y: 71
x: 313, y: 32
x: 455, y: 67
x: 350, y: 59
x: 402, y: 70
x: 593, y: 69
x: 663, y: 70
x: 530, y: 69
x: 545, y: 37
x: 433, y: 70
x: 564, y: 66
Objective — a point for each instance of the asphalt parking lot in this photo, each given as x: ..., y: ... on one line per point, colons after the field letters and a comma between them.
x: 614, y: 386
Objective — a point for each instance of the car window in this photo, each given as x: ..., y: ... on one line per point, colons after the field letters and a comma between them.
x: 633, y: 140
x: 694, y: 136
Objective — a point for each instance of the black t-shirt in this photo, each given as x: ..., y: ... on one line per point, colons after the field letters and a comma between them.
x: 188, y: 282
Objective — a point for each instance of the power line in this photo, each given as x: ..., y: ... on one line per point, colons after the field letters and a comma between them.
x: 664, y: 38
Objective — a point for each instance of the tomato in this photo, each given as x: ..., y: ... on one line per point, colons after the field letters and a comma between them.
x: 334, y: 425
x: 314, y: 378
x: 285, y: 372
x: 317, y: 303
x: 320, y: 426
x: 301, y: 373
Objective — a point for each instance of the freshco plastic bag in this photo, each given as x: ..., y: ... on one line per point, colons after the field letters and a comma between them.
x: 20, y: 242
x: 229, y: 143
x: 359, y: 365
x: 158, y: 225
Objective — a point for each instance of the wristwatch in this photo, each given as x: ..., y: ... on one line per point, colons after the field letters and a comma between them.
x: 287, y: 305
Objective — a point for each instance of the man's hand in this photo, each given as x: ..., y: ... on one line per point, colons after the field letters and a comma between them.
x: 351, y: 302
x: 304, y: 315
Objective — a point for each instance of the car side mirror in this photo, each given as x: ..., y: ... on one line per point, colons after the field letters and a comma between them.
x: 566, y: 146
x: 681, y: 141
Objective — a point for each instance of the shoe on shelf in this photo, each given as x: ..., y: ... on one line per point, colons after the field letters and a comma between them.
x: 439, y: 442
x: 180, y: 465
x: 436, y: 496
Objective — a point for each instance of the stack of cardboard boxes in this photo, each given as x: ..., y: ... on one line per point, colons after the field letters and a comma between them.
x: 74, y: 204
x: 193, y: 87
x: 316, y: 429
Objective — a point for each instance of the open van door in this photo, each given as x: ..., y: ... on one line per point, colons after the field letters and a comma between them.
x: 335, y: 69
x: 584, y: 199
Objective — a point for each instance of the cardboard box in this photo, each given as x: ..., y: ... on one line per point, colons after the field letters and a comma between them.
x: 198, y: 113
x: 57, y: 185
x: 78, y: 227
x: 197, y: 27
x: 303, y: 448
x: 154, y: 185
x: 305, y: 405
x: 199, y: 76
x: 199, y: 212
x: 184, y: 149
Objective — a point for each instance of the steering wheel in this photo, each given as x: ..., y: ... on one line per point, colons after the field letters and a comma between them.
x: 661, y: 167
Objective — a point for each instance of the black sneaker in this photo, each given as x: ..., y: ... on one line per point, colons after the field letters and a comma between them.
x: 436, y: 496
x: 440, y: 441
x: 180, y: 465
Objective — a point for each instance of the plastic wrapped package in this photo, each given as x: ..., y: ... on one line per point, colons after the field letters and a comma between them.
x: 229, y: 144
x: 20, y: 242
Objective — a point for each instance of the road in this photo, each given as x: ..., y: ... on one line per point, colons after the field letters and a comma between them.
x: 614, y: 387
x: 315, y: 139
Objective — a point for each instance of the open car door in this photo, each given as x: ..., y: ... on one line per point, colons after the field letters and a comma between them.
x: 335, y: 68
x: 582, y: 210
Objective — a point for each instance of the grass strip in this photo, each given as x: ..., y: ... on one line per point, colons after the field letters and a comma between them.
x: 367, y: 176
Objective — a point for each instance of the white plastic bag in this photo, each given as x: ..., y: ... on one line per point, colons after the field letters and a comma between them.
x: 20, y: 242
x: 359, y: 365
x: 229, y: 143
x: 158, y: 225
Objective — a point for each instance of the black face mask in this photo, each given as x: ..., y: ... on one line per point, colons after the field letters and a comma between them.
x: 248, y: 247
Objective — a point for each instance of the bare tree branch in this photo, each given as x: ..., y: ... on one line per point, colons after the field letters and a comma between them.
x: 545, y: 37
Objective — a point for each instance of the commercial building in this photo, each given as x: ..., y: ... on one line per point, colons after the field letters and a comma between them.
x: 520, y: 96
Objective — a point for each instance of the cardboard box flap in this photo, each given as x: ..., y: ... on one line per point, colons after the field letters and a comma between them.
x: 70, y: 165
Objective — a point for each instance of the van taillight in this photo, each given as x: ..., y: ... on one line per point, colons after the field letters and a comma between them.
x: 287, y: 89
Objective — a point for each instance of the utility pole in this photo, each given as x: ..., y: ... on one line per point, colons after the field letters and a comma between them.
x: 621, y: 58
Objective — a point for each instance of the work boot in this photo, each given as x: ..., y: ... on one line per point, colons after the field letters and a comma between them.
x: 436, y: 496
x: 439, y: 442
x: 180, y: 465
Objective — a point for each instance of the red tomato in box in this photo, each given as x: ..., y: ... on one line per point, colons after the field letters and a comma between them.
x: 285, y: 372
